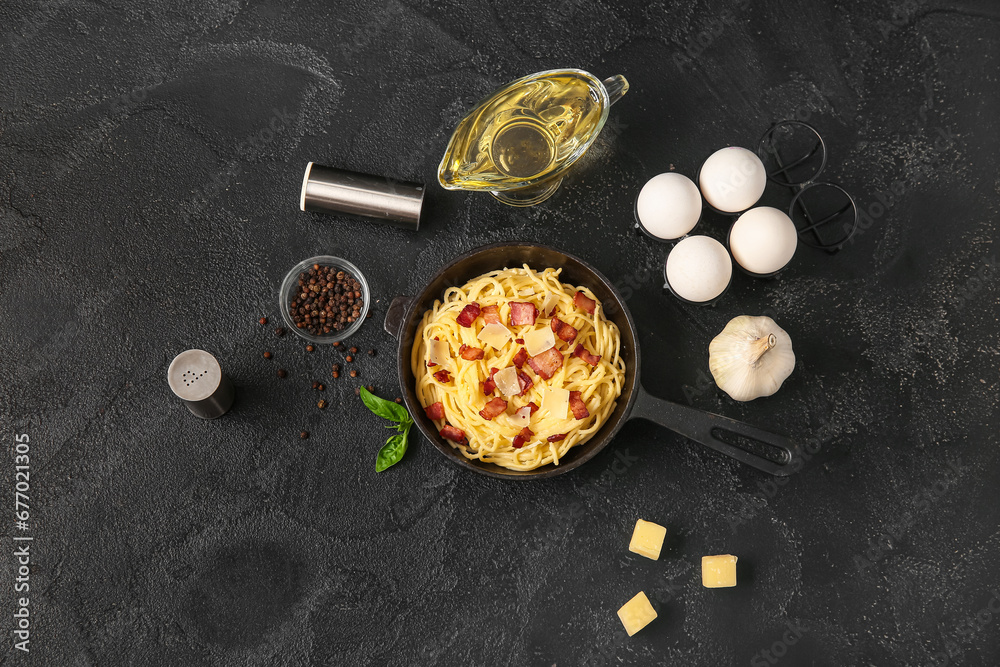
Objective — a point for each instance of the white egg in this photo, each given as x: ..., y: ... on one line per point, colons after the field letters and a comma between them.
x: 732, y: 179
x: 763, y: 240
x: 669, y: 205
x: 699, y: 269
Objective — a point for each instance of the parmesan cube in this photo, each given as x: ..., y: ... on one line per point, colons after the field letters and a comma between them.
x: 537, y: 341
x: 647, y: 539
x: 636, y: 613
x: 494, y: 334
x: 718, y: 571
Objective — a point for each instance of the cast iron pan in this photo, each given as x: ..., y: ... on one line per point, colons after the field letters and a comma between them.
x: 765, y: 451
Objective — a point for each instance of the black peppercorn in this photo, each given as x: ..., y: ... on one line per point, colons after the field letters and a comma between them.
x: 310, y: 348
x: 279, y: 332
x: 371, y: 353
x: 262, y: 321
x: 282, y: 373
x: 399, y: 400
x: 354, y: 373
x: 321, y: 405
x: 304, y: 435
x: 267, y: 355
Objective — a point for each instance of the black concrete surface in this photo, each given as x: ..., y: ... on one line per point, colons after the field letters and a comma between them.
x: 150, y: 161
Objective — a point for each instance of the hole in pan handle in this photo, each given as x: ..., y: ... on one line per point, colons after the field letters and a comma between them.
x: 765, y: 451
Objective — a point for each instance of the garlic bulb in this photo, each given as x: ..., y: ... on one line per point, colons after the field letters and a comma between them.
x: 751, y: 357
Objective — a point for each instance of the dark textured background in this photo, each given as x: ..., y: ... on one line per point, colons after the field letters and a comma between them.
x: 141, y: 217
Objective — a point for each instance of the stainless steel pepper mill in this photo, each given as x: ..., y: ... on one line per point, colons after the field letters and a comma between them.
x: 197, y: 379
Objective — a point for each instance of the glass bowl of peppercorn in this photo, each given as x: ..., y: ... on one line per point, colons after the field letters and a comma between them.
x: 324, y: 299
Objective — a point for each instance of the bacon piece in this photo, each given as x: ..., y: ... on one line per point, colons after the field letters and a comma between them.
x: 491, y: 314
x: 470, y: 353
x: 578, y: 406
x: 449, y: 432
x: 584, y: 302
x: 520, y: 358
x: 524, y: 436
x: 547, y: 363
x: 525, y: 382
x: 581, y: 352
x: 557, y: 437
x: 442, y: 376
x: 493, y: 407
x: 533, y: 407
x: 435, y: 410
x: 522, y: 312
x: 469, y: 314
x: 519, y: 341
x: 563, y: 330
x: 431, y: 364
x: 490, y: 386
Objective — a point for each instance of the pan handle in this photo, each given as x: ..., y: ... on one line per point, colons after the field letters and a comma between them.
x: 768, y: 452
x: 394, y: 316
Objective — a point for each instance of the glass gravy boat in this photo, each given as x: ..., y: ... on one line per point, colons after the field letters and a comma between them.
x: 519, y: 142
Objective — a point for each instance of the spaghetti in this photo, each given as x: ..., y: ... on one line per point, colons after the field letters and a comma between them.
x: 456, y: 367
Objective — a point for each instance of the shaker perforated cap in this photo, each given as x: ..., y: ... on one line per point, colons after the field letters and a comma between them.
x: 326, y: 189
x: 197, y: 379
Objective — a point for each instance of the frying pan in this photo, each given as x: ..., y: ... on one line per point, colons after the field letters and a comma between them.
x: 771, y: 453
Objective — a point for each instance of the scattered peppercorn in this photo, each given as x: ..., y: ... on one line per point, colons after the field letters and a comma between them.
x: 279, y: 332
x: 337, y: 344
x: 262, y: 321
x: 315, y: 384
x: 371, y: 353
x: 354, y: 373
x: 304, y: 435
x: 282, y: 373
x: 371, y: 388
x: 399, y: 400
x: 368, y: 315
x: 348, y: 358
x: 357, y: 391
x: 336, y: 374
x: 336, y: 367
x: 325, y: 301
x: 267, y: 355
x: 321, y: 405
x: 353, y: 350
x: 321, y: 387
x: 310, y: 348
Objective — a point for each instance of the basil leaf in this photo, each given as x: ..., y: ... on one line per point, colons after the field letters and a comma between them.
x: 392, y: 451
x: 383, y: 408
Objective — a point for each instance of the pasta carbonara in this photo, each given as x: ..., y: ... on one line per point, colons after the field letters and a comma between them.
x: 515, y: 367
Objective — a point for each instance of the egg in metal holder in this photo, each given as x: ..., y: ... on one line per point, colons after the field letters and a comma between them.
x: 763, y: 241
x: 732, y: 180
x: 701, y: 268
x: 668, y: 207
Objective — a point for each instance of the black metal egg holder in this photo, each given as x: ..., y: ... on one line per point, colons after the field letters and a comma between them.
x: 807, y: 224
x: 808, y: 231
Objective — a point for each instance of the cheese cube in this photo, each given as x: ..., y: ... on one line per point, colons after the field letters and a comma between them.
x: 718, y: 571
x: 647, y: 539
x: 636, y: 614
